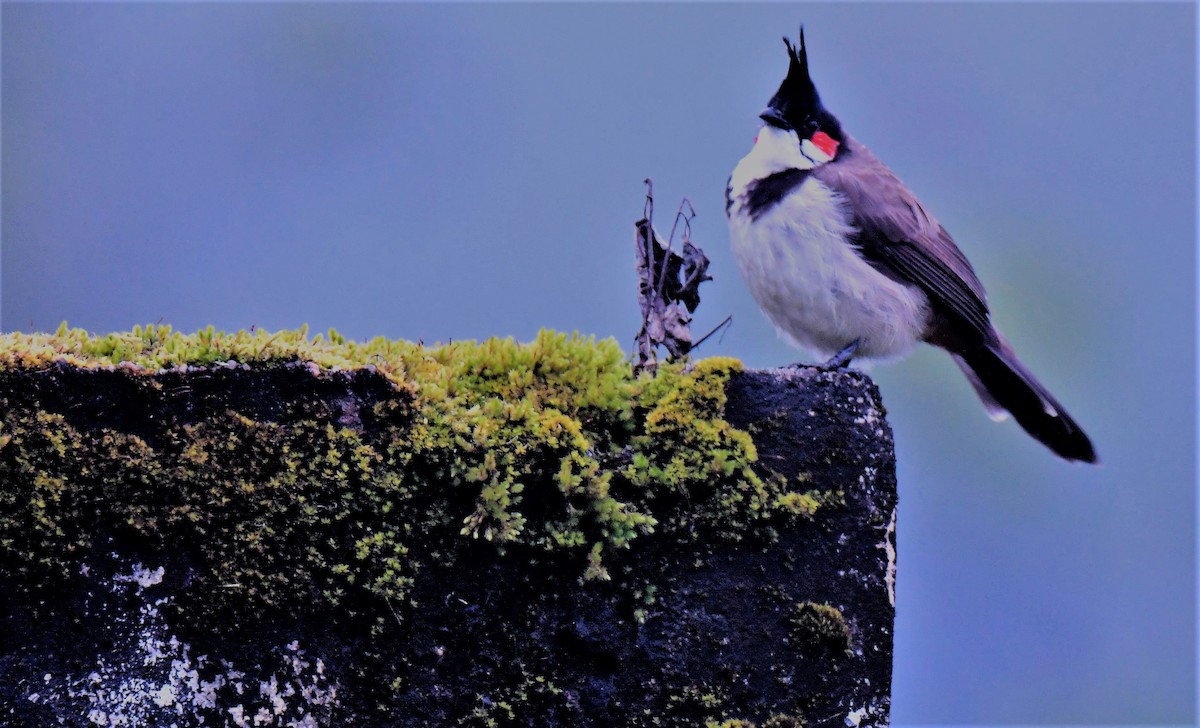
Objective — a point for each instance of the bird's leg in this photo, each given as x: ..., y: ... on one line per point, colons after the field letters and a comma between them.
x: 841, y: 359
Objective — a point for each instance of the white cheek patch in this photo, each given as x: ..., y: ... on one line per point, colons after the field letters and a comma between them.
x: 774, y: 150
x: 813, y: 152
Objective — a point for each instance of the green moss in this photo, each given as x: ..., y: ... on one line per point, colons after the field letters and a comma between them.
x: 513, y: 704
x: 779, y: 720
x: 782, y: 720
x: 820, y: 626
x: 552, y: 446
x: 696, y: 705
x: 154, y: 348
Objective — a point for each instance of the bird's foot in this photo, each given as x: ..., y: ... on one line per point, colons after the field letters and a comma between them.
x: 841, y: 359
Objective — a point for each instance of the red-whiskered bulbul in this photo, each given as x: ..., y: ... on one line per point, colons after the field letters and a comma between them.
x: 845, y: 260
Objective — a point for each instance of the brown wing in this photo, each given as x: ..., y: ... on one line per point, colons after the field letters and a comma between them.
x: 901, y: 239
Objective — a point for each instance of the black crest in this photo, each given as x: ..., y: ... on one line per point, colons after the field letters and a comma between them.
x: 797, y: 98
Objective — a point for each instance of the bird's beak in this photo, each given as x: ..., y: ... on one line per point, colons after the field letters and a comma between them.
x: 772, y: 116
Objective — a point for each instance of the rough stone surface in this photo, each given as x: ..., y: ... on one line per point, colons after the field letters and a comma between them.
x: 785, y: 624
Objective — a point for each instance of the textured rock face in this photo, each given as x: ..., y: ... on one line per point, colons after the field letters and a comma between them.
x: 769, y: 620
x: 831, y: 427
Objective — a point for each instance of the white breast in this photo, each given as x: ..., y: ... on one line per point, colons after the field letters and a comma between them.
x: 811, y: 283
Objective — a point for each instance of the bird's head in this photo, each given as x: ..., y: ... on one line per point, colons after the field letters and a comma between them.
x: 796, y: 109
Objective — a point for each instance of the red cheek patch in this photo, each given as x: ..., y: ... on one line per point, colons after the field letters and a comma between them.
x: 825, y: 143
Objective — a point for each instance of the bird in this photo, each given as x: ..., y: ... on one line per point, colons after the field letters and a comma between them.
x: 846, y: 262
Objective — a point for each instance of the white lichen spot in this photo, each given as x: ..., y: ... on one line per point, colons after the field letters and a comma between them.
x: 238, y: 714
x: 142, y: 576
x: 889, y: 547
x: 152, y: 679
x: 855, y: 717
x: 867, y: 715
x: 165, y: 697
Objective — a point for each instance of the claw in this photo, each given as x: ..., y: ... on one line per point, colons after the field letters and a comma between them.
x: 842, y: 359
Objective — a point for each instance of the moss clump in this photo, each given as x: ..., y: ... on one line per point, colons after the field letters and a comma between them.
x: 820, y: 626
x: 779, y: 720
x: 154, y: 348
x: 551, y: 446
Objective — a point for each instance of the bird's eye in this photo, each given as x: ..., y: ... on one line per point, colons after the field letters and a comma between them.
x: 810, y: 127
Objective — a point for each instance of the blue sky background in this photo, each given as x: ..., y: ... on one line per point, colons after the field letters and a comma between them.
x: 441, y: 172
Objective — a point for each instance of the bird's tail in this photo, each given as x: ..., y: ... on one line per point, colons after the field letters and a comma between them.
x: 1006, y: 386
